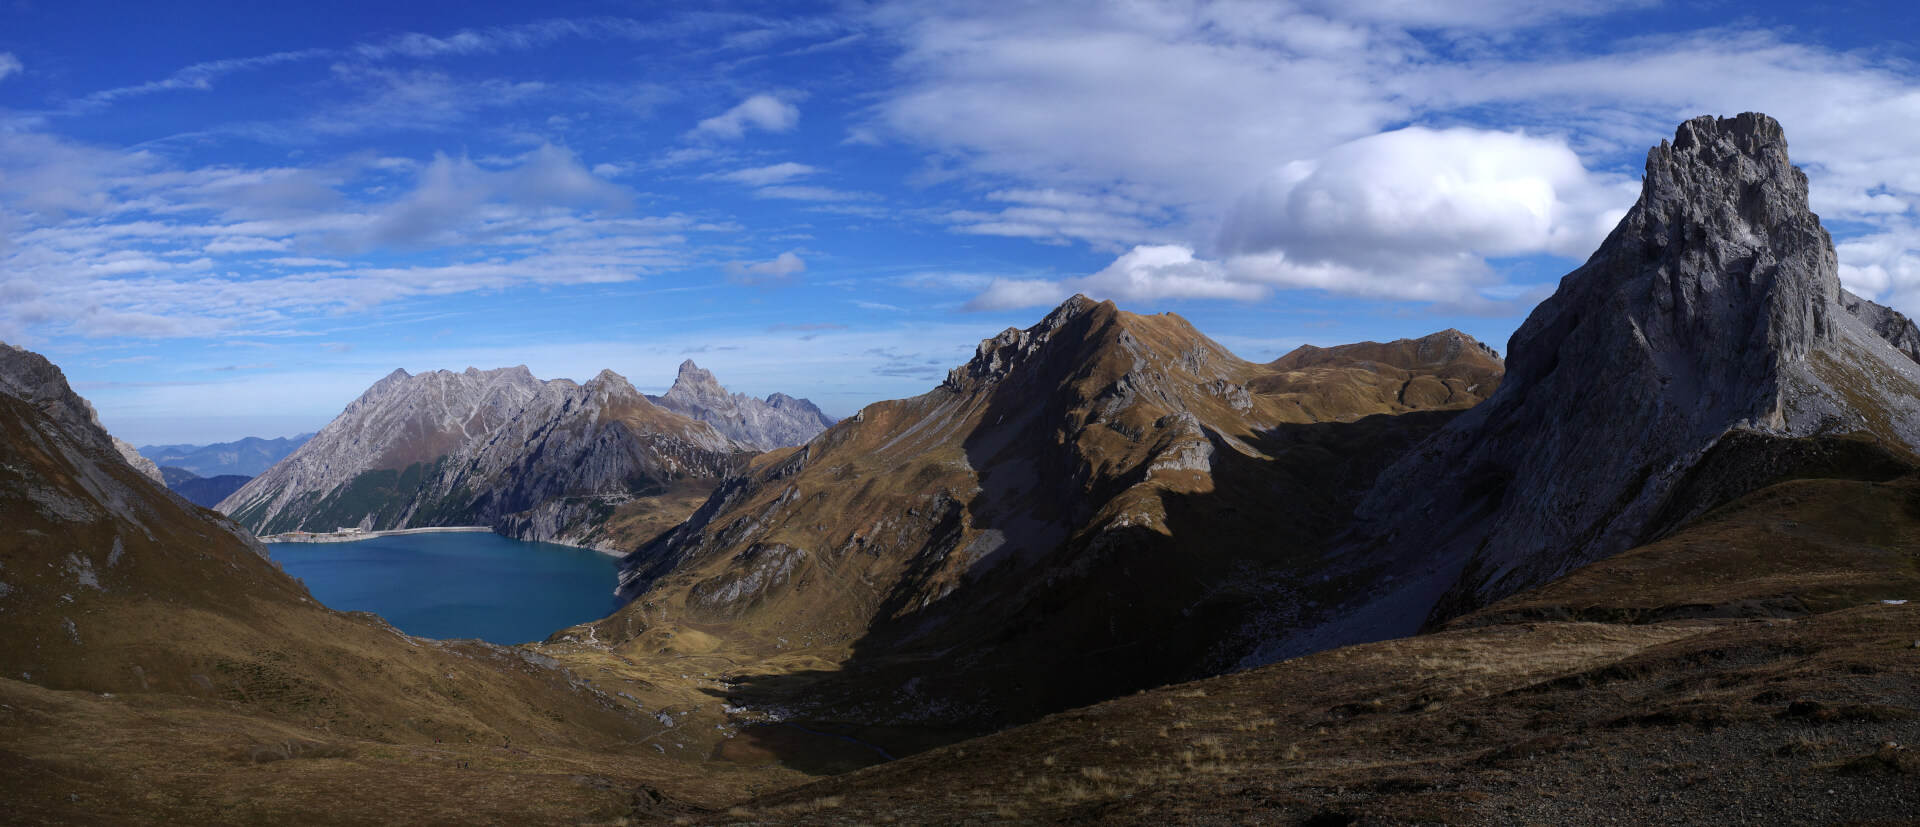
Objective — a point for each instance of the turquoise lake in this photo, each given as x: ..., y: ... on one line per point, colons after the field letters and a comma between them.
x: 468, y: 585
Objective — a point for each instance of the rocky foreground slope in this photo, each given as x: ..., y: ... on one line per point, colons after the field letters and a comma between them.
x: 537, y: 460
x: 1074, y: 513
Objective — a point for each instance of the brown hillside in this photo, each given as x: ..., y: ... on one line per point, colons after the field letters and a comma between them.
x: 1086, y: 507
x: 1749, y: 670
x: 159, y: 668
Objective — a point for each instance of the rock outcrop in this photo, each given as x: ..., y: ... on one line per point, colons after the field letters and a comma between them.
x: 1713, y: 307
x: 779, y: 421
x: 29, y: 377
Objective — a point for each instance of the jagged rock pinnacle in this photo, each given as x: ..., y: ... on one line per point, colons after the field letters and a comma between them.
x: 1714, y: 305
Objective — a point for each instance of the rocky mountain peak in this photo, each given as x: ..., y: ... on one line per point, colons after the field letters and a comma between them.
x: 762, y: 425
x: 610, y: 384
x: 997, y: 357
x: 1714, y: 306
x: 696, y: 381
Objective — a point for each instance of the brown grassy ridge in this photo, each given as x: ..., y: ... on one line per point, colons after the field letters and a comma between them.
x: 1695, y: 704
x: 1048, y: 517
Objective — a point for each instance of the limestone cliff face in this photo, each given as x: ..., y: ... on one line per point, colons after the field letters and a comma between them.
x: 1715, y: 305
x: 482, y: 448
x: 779, y: 421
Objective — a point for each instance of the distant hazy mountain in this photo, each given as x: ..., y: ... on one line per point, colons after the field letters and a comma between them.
x: 205, y: 492
x: 247, y: 457
x: 779, y: 421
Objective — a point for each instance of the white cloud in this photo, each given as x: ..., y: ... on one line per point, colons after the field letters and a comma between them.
x: 781, y: 268
x: 1885, y: 265
x: 1470, y: 14
x: 1177, y: 106
x: 1013, y: 294
x: 763, y: 176
x: 807, y: 193
x: 1143, y: 274
x: 1415, y: 212
x: 764, y: 112
x: 9, y: 65
x: 112, y: 244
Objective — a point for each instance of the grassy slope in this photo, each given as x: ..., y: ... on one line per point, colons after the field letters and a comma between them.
x: 839, y: 573
x: 1753, y: 675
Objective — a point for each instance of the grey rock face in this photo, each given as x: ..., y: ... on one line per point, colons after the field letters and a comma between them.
x: 756, y: 424
x: 98, y: 461
x: 142, y: 464
x: 29, y: 376
x: 1714, y: 305
x: 536, y: 460
x: 1885, y: 322
x: 402, y: 419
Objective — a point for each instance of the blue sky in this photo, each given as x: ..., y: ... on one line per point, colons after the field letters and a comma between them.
x: 228, y: 219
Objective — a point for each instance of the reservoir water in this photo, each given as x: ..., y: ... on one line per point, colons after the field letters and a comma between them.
x: 459, y: 585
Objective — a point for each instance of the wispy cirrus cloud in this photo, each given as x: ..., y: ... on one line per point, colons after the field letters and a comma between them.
x: 779, y: 269
x: 102, y: 244
x: 763, y: 112
x: 770, y: 174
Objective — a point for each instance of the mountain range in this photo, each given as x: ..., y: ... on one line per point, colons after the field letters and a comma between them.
x: 538, y: 460
x: 246, y: 457
x: 1659, y: 564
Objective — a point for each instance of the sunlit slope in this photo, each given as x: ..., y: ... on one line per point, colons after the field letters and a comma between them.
x: 1086, y: 507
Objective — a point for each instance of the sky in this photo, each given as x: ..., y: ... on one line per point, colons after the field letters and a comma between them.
x: 226, y: 220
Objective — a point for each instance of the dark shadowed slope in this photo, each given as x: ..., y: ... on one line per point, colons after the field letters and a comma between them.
x: 1745, y: 670
x: 1086, y: 507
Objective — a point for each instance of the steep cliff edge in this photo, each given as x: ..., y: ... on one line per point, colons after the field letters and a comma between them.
x: 1714, y: 307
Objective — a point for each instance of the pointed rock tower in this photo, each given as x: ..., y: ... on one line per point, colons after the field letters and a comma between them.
x: 1715, y: 306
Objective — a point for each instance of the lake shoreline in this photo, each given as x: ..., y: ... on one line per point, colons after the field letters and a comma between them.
x: 356, y: 536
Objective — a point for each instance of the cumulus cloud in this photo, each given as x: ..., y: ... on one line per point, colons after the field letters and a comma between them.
x: 1276, y: 84
x: 764, y: 112
x: 1415, y: 212
x: 1145, y: 273
x: 1884, y: 265
x: 772, y: 174
x: 780, y: 269
x: 9, y: 65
